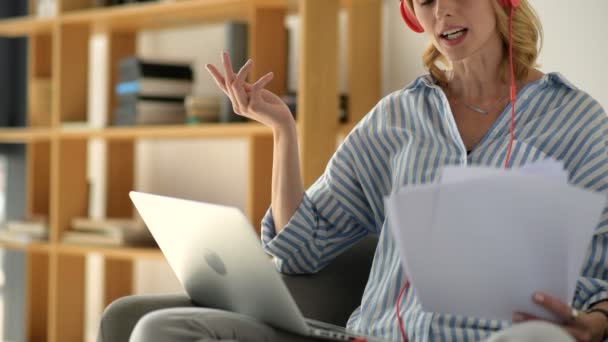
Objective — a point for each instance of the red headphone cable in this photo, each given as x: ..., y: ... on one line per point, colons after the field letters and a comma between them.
x: 513, y: 96
x: 513, y: 88
x: 401, y: 330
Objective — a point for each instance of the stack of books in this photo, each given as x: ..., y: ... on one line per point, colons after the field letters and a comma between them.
x: 202, y: 109
x: 152, y: 92
x: 25, y: 231
x: 108, y: 232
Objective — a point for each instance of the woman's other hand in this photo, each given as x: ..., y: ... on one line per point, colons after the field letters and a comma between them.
x: 582, y: 326
x: 251, y: 100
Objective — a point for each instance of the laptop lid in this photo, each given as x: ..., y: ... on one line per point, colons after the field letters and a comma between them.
x: 218, y: 259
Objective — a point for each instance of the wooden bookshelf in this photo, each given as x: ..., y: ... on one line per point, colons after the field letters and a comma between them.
x: 42, y: 247
x: 24, y: 26
x: 212, y: 130
x: 24, y: 135
x: 135, y: 17
x: 56, y: 154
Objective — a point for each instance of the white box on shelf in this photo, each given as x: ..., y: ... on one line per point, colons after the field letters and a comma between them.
x: 46, y: 8
x: 97, y: 111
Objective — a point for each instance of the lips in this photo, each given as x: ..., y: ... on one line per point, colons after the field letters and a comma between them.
x: 453, y: 34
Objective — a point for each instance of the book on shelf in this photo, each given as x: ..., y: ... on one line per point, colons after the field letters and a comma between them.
x: 135, y: 68
x: 108, y: 232
x: 141, y: 238
x: 25, y: 231
x: 105, y: 224
x: 150, y: 115
x: 74, y: 125
x: 152, y: 105
x: 131, y: 98
x: 17, y: 237
x: 202, y: 109
x: 156, y: 87
x: 152, y: 92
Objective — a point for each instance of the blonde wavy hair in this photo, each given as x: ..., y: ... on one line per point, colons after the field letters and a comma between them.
x: 527, y: 42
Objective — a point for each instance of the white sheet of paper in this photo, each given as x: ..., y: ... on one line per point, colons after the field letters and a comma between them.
x: 546, y: 168
x: 480, y: 244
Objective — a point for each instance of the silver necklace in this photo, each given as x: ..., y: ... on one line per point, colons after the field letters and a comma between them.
x: 478, y: 109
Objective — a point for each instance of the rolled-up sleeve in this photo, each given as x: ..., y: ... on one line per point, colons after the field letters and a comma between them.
x: 333, y: 215
x: 592, y: 174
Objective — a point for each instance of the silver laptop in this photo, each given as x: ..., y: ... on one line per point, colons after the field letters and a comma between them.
x: 219, y: 260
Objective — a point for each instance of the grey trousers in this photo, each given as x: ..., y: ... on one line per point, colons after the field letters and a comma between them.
x: 202, y: 325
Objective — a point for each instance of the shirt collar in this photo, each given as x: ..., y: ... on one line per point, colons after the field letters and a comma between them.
x: 548, y: 78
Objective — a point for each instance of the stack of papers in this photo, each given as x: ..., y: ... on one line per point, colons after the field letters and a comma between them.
x: 481, y: 241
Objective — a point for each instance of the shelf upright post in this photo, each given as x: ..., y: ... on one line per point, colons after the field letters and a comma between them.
x: 69, y: 189
x: 268, y: 49
x: 39, y: 78
x: 317, y: 101
x: 364, y: 56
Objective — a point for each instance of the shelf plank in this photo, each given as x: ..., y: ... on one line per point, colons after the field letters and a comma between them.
x: 42, y: 247
x: 23, y: 26
x: 139, y: 16
x: 125, y: 253
x: 23, y: 135
x: 233, y: 130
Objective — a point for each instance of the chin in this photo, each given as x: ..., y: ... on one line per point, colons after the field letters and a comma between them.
x: 455, y: 56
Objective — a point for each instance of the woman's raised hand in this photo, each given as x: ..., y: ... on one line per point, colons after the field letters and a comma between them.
x: 251, y: 100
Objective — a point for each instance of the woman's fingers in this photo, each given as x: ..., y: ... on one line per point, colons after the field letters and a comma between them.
x: 229, y: 80
x: 562, y: 310
x: 262, y: 82
x: 234, y: 86
x: 238, y: 86
x: 242, y: 75
x: 217, y: 77
x: 228, y: 71
x: 522, y: 317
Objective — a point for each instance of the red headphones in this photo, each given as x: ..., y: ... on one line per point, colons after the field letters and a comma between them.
x: 414, y: 24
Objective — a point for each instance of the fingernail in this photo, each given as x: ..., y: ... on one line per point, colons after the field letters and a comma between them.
x: 539, y: 297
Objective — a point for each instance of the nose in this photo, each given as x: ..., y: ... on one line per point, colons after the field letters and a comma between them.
x: 444, y: 8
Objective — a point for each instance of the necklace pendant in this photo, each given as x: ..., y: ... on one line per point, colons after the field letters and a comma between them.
x: 476, y: 109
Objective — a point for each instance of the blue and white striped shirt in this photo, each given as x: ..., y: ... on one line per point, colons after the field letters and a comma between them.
x: 406, y: 139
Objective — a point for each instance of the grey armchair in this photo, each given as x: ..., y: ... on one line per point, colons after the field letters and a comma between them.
x: 330, y: 295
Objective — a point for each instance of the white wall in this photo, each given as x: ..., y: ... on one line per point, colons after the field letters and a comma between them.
x: 576, y: 43
x: 215, y: 170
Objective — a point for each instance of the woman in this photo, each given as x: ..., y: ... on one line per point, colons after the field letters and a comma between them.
x: 460, y: 115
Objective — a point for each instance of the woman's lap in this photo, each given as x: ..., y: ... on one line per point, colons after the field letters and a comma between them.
x: 202, y: 325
